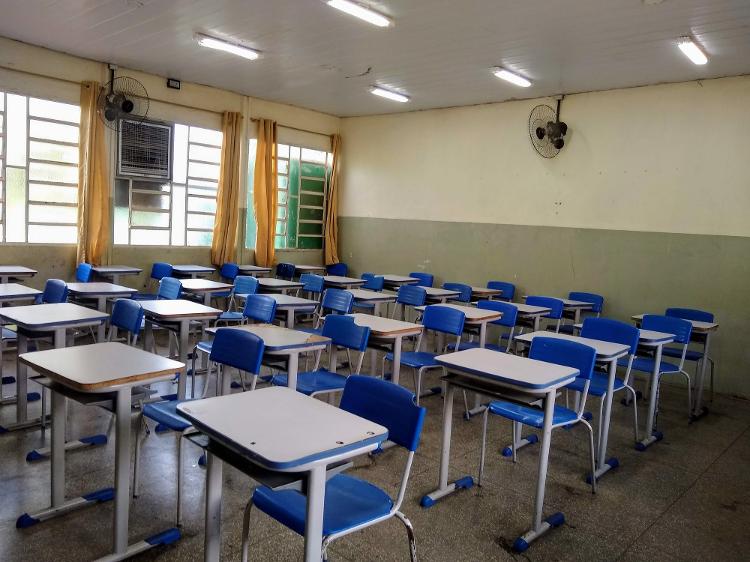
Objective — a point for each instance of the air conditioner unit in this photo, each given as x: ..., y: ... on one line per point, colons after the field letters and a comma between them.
x: 144, y: 150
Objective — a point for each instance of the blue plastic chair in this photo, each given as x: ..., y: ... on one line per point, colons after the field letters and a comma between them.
x: 335, y: 301
x: 352, y: 504
x: 559, y: 352
x: 425, y: 279
x: 682, y: 329
x: 343, y: 333
x: 229, y: 272
x: 170, y: 288
x: 408, y: 296
x: 127, y: 315
x: 312, y: 285
x: 614, y: 331
x: 285, y: 271
x: 83, y: 272
x: 507, y: 320
x: 597, y: 306
x: 556, y: 307
x: 464, y: 291
x: 373, y: 282
x: 508, y: 289
x: 55, y: 291
x: 159, y: 270
x: 244, y: 285
x: 692, y: 354
x: 439, y: 319
x: 339, y: 269
x: 231, y: 348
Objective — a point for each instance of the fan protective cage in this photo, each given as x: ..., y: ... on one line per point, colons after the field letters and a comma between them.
x: 539, y: 117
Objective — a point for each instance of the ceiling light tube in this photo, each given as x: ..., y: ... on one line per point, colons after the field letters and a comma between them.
x: 220, y: 45
x: 692, y: 51
x: 511, y: 77
x: 388, y: 94
x: 359, y: 11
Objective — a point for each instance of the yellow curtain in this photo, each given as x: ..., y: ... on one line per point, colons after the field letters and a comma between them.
x: 93, y: 181
x: 265, y: 193
x: 224, y: 242
x: 331, y: 230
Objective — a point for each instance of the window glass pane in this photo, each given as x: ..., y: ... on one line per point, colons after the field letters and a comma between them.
x: 178, y: 216
x: 313, y: 170
x: 310, y: 243
x: 280, y: 242
x: 52, y: 172
x: 311, y: 200
x: 195, y: 238
x: 311, y: 214
x: 15, y: 230
x: 16, y: 133
x: 179, y: 156
x: 294, y: 152
x: 282, y: 182
x: 52, y: 213
x: 311, y: 155
x: 283, y: 197
x: 145, y: 218
x: 281, y: 212
x: 53, y: 193
x: 149, y: 237
x: 205, y: 136
x: 313, y: 185
x: 149, y: 201
x: 56, y: 152
x: 205, y: 153
x: 2, y: 101
x: 121, y: 225
x: 200, y: 221
x: 282, y: 151
x: 202, y: 204
x: 151, y: 186
x: 53, y: 131
x: 283, y: 167
x: 54, y: 110
x: 205, y: 171
x: 310, y: 228
x: 122, y: 193
x: 45, y: 234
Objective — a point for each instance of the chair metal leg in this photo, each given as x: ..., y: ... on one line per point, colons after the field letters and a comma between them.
x: 467, y: 414
x: 137, y: 459
x: 410, y: 533
x: 180, y: 459
x: 593, y: 454
x: 599, y: 420
x: 246, y: 528
x: 516, y: 438
x: 483, y: 448
x: 419, y: 384
x: 635, y: 411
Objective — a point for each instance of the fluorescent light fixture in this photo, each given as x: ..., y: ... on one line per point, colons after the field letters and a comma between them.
x: 388, y: 94
x: 511, y: 77
x: 359, y: 11
x: 219, y: 45
x: 692, y: 51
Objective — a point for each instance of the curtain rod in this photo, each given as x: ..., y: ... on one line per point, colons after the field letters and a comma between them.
x: 256, y: 119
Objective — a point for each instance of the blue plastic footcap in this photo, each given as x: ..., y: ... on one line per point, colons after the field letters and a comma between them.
x: 202, y: 460
x: 520, y: 545
x: 613, y: 463
x: 464, y: 482
x: 33, y: 397
x: 169, y: 536
x: 659, y: 435
x: 161, y: 428
x: 507, y: 451
x: 588, y: 416
x: 387, y: 376
x: 34, y: 456
x: 9, y: 380
x: 235, y: 384
x: 103, y: 495
x: 556, y: 519
x: 533, y: 438
x: 94, y: 440
x: 168, y: 397
x: 3, y: 429
x: 640, y: 446
x: 25, y: 521
x: 426, y: 501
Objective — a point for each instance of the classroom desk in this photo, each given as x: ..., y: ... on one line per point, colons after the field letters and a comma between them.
x: 283, y: 432
x: 13, y: 292
x: 705, y: 329
x: 283, y: 342
x: 340, y: 282
x: 101, y: 293
x: 114, y: 272
x: 293, y: 306
x: 606, y: 352
x: 205, y: 287
x: 34, y: 321
x: 575, y: 306
x: 8, y: 272
x: 182, y: 313
x: 273, y: 285
x: 391, y: 331
x: 372, y: 297
x: 101, y: 374
x: 485, y: 293
x: 496, y: 374
x: 254, y: 270
x: 192, y: 271
x: 439, y: 295
x: 391, y: 281
x: 301, y: 269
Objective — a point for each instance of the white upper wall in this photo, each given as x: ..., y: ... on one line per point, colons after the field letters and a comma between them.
x: 670, y: 158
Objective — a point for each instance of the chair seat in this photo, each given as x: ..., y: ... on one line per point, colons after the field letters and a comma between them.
x: 166, y: 414
x: 349, y: 502
x: 416, y: 359
x: 691, y: 355
x: 145, y: 296
x: 9, y: 334
x: 646, y: 365
x: 230, y: 316
x: 598, y: 386
x: 362, y: 304
x: 564, y: 329
x: 205, y: 346
x: 528, y: 415
x: 472, y: 344
x: 313, y: 381
x: 316, y: 331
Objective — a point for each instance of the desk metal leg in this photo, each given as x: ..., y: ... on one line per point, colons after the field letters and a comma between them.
x: 316, y: 486
x: 293, y: 370
x: 652, y: 436
x: 184, y: 337
x: 212, y: 544
x: 444, y: 488
x: 539, y: 526
x: 101, y: 306
x: 478, y: 408
x: 290, y: 318
x: 699, y: 410
x: 396, y: 372
x: 603, y: 465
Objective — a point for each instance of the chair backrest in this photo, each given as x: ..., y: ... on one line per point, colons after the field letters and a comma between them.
x: 55, y: 292
x: 340, y: 269
x: 312, y: 283
x: 337, y: 300
x: 444, y: 319
x: 245, y: 285
x: 229, y: 271
x: 509, y: 312
x: 555, y: 305
x: 83, y: 272
x: 669, y: 324
x: 508, y: 289
x: 690, y: 314
x: 425, y: 279
x: 161, y: 269
x: 597, y: 301
x: 373, y: 282
x: 615, y: 331
x: 386, y: 404
x: 261, y: 308
x: 564, y: 352
x: 463, y: 290
x: 127, y: 315
x: 240, y: 349
x: 285, y: 270
x: 412, y: 295
x: 170, y: 288
x: 344, y: 332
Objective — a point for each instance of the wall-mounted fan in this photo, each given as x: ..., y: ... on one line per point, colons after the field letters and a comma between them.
x: 546, y: 131
x: 122, y: 97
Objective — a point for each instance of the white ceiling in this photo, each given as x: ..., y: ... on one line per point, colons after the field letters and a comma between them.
x: 439, y: 52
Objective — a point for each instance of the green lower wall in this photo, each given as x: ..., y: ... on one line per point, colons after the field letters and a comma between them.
x: 635, y: 271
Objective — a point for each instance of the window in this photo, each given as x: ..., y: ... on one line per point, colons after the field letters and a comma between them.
x: 176, y: 213
x: 303, y: 175
x: 38, y: 170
